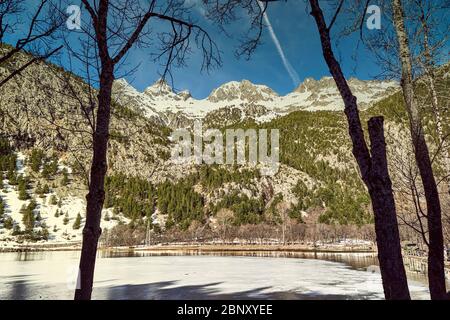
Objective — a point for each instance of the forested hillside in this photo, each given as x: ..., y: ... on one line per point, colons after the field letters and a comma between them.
x: 317, y: 184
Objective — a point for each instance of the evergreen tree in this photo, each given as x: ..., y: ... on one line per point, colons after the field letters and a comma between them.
x: 33, y: 204
x: 12, y: 177
x: 45, y: 233
x: 108, y: 200
x: 77, y: 223
x: 8, y: 223
x: 65, y: 178
x: 46, y: 171
x: 7, y: 156
x: 35, y: 159
x: 46, y: 189
x: 66, y: 219
x: 28, y: 218
x: 53, y: 200
x: 50, y: 167
x: 16, y: 230
x: 169, y: 223
x: 23, y: 186
x: 2, y: 208
x: 39, y: 191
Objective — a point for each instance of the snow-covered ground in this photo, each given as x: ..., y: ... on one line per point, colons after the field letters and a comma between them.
x: 52, y: 275
x: 59, y: 232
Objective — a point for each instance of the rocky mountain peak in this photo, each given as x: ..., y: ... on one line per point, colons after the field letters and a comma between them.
x: 159, y: 88
x: 243, y: 90
x: 312, y: 85
x: 184, y: 95
x: 323, y: 94
x: 122, y: 86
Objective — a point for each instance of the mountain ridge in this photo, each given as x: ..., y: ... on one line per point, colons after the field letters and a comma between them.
x: 246, y: 99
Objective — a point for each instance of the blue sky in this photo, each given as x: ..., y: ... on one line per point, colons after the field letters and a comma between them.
x: 298, y: 39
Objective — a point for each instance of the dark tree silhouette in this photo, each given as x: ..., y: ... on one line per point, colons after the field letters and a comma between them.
x: 112, y: 29
x: 408, y: 48
x: 37, y: 36
x: 433, y: 45
x: 373, y: 168
x: 372, y: 162
x: 436, y: 275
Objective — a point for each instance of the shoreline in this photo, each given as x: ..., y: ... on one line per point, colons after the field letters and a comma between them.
x: 197, y: 247
x: 254, y: 248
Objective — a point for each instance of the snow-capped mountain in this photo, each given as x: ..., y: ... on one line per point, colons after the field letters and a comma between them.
x: 323, y: 94
x: 244, y: 91
x: 246, y: 100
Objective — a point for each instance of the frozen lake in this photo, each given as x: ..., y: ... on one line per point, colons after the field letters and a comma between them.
x: 51, y: 275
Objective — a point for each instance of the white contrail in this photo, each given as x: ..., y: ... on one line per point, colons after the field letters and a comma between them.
x: 292, y: 73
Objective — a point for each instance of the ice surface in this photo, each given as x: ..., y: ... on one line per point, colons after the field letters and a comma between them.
x: 52, y: 275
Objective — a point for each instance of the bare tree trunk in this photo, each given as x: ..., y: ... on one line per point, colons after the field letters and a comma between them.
x: 374, y: 172
x: 386, y: 225
x: 96, y: 195
x: 113, y: 37
x: 431, y: 78
x: 438, y: 118
x: 436, y: 276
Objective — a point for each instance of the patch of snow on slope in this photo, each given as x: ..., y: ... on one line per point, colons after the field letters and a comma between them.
x: 58, y: 231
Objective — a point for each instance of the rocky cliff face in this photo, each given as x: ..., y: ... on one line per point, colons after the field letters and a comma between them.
x: 48, y: 108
